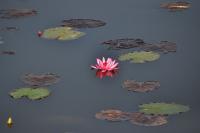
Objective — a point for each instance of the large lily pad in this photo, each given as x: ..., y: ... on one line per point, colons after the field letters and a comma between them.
x: 17, y: 13
x: 124, y: 43
x: 62, y: 33
x: 30, y: 93
x: 136, y: 86
x: 40, y: 79
x: 148, y: 120
x: 83, y: 23
x: 113, y: 115
x: 139, y: 57
x: 163, y: 108
x: 176, y: 6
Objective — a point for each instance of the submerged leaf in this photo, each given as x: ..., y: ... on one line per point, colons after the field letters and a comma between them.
x: 40, y: 80
x: 176, y: 6
x: 62, y: 33
x: 146, y: 86
x: 163, y: 108
x: 140, y: 57
x: 148, y: 120
x: 30, y: 93
x: 83, y: 23
x: 113, y: 115
x: 17, y: 13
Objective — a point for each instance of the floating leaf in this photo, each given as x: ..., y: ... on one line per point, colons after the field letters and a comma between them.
x: 163, y: 46
x: 176, y: 6
x: 40, y: 80
x: 148, y: 120
x: 163, y: 108
x: 146, y: 86
x: 17, y: 13
x: 61, y: 33
x: 30, y: 93
x: 83, y: 23
x: 139, y: 57
x: 113, y: 115
x: 7, y: 52
x: 124, y: 43
x: 9, y: 29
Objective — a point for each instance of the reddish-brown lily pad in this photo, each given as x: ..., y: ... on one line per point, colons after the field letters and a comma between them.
x: 124, y: 43
x: 113, y: 115
x: 136, y: 86
x: 40, y: 80
x: 83, y: 23
x: 17, y: 13
x: 176, y: 6
x: 148, y: 120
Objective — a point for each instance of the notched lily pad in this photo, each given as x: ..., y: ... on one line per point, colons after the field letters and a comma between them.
x: 139, y: 57
x: 61, y: 33
x: 124, y: 43
x: 163, y: 46
x: 83, y: 23
x: 113, y: 115
x: 17, y: 13
x: 176, y: 6
x: 148, y: 120
x: 163, y: 108
x: 30, y: 93
x: 7, y: 52
x: 40, y: 80
x: 136, y: 86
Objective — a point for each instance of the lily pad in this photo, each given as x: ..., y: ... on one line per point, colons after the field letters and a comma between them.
x: 163, y: 46
x: 40, y: 80
x: 9, y: 29
x: 148, y: 120
x: 17, y: 13
x: 83, y: 23
x: 7, y: 52
x: 61, y: 33
x: 124, y: 43
x: 146, y: 86
x: 176, y: 6
x: 113, y: 115
x: 163, y: 108
x: 30, y: 93
x: 140, y: 57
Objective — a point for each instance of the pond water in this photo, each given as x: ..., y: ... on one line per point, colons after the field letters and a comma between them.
x: 79, y: 94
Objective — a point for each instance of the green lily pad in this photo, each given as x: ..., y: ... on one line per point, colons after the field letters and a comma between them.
x: 163, y: 108
x: 139, y: 57
x: 30, y: 93
x: 62, y: 33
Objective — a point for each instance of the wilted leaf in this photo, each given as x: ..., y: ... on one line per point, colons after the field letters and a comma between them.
x: 139, y: 57
x: 146, y: 86
x: 30, y: 93
x: 113, y: 115
x: 17, y: 13
x: 176, y: 6
x: 125, y: 43
x: 163, y: 108
x: 148, y: 120
x: 62, y: 33
x: 40, y: 80
x: 83, y: 23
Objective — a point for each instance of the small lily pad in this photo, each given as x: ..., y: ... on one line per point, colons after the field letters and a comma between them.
x: 148, y: 120
x: 40, y: 79
x: 146, y: 86
x: 176, y: 6
x: 140, y: 57
x: 30, y: 93
x: 17, y: 13
x: 124, y: 43
x: 62, y: 33
x: 113, y: 115
x: 163, y: 108
x: 83, y: 23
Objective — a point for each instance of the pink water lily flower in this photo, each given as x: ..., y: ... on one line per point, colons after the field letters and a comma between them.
x: 105, y: 65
